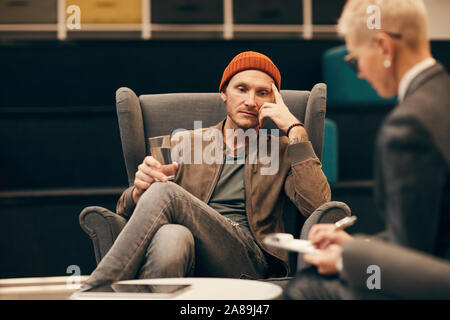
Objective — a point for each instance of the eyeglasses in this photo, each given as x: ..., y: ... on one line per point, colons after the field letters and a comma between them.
x: 393, y: 34
x: 352, y: 61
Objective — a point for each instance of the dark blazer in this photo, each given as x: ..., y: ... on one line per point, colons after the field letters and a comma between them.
x: 412, y: 192
x: 412, y: 162
x: 404, y: 273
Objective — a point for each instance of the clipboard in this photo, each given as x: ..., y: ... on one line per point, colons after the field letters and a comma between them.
x: 286, y: 241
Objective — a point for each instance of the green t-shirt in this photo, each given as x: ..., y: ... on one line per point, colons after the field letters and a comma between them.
x: 228, y: 197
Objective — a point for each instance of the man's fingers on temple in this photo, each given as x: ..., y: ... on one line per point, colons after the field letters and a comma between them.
x: 277, y: 94
x: 265, y: 113
x: 267, y: 105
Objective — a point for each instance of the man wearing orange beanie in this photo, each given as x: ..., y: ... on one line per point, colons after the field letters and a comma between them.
x: 211, y: 219
x: 254, y: 69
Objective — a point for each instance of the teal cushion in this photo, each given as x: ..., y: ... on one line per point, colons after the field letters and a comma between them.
x: 344, y: 87
x: 330, y: 151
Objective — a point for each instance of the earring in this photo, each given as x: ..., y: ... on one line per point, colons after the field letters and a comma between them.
x: 387, y: 64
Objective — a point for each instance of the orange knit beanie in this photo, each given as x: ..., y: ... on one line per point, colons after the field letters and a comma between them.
x: 251, y: 60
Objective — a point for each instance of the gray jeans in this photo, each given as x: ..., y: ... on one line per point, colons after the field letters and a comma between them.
x: 171, y: 233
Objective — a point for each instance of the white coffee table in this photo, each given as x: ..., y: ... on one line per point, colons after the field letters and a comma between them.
x: 208, y: 289
x: 38, y: 288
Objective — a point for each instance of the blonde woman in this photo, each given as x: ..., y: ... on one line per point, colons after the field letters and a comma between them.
x: 388, y: 46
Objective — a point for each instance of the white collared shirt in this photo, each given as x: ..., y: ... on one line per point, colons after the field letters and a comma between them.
x: 411, y: 74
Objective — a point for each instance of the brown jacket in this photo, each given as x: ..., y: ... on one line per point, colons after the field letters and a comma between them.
x: 299, y: 177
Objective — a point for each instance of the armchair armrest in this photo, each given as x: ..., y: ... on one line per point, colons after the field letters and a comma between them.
x: 329, y: 212
x: 102, y: 226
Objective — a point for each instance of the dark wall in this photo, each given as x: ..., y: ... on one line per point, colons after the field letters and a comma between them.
x: 87, y: 73
x: 42, y: 237
x: 57, y: 99
x: 71, y: 138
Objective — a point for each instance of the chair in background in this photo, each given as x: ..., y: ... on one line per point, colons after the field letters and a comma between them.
x: 343, y: 85
x: 330, y: 152
x: 161, y: 114
x: 356, y: 110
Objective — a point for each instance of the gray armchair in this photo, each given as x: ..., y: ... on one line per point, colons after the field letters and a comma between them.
x: 160, y: 114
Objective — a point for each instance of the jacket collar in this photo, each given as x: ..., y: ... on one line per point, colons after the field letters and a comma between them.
x: 411, y: 74
x: 422, y: 77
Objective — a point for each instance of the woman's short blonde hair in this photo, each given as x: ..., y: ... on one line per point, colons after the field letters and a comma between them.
x: 406, y: 17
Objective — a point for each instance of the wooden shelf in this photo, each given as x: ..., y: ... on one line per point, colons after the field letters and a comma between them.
x: 226, y: 30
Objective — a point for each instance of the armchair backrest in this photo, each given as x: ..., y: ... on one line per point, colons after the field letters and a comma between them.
x: 160, y: 114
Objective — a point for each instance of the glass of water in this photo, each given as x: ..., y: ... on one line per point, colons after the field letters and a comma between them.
x: 160, y: 150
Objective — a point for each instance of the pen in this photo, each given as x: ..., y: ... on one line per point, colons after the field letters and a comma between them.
x: 344, y: 223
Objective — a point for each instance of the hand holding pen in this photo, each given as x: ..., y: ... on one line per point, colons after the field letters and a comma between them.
x: 322, y: 235
x: 344, y: 223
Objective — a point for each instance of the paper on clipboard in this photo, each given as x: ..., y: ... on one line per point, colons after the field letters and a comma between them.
x: 286, y: 241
